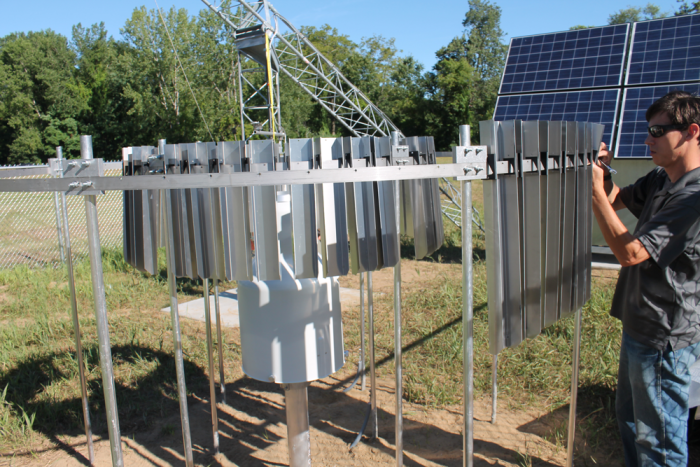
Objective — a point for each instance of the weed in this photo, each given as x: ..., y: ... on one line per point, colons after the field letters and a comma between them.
x: 523, y: 459
x: 168, y: 429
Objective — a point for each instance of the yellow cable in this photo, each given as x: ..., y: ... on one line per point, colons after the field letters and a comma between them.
x: 269, y: 84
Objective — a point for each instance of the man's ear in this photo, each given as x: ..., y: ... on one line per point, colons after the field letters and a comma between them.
x: 694, y: 131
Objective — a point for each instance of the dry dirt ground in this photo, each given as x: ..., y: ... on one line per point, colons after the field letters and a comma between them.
x: 253, y: 431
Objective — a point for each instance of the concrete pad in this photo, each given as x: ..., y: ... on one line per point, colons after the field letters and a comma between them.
x: 228, y: 306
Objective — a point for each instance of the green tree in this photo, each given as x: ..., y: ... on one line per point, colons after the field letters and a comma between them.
x: 39, y: 98
x: 486, y: 52
x: 98, y: 71
x: 343, y: 53
x: 405, y: 103
x: 686, y: 8
x: 463, y: 86
x: 632, y: 14
x: 161, y: 87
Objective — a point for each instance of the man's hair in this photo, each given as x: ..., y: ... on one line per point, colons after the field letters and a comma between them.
x: 681, y: 107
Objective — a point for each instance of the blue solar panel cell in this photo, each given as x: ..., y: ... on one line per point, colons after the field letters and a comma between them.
x: 599, y: 106
x: 665, y: 50
x: 633, y: 124
x: 567, y: 60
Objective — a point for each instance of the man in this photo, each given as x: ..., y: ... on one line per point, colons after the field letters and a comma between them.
x: 658, y: 292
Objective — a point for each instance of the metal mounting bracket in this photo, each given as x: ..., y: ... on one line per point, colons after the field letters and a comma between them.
x: 77, y: 169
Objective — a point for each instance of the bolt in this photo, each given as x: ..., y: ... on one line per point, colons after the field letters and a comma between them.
x: 74, y: 184
x: 468, y: 170
x: 72, y: 164
x: 86, y: 163
x: 468, y: 150
x: 479, y: 150
x: 478, y: 169
x: 88, y: 183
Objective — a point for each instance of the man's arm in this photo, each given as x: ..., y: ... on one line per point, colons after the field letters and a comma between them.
x: 611, y: 189
x: 606, y: 200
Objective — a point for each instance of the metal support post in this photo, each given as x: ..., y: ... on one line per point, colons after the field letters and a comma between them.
x: 467, y: 314
x: 494, y: 388
x: 297, y: 406
x: 166, y: 202
x: 574, y: 389
x: 397, y: 339
x: 212, y: 377
x: 98, y: 292
x: 59, y: 228
x: 362, y: 332
x: 219, y: 339
x: 372, y: 374
x: 74, y: 314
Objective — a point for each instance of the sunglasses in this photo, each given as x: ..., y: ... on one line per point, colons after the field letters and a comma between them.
x: 658, y: 131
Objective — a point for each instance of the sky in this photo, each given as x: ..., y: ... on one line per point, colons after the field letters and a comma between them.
x: 419, y: 28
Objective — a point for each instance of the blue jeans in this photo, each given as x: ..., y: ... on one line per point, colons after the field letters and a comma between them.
x: 652, y: 403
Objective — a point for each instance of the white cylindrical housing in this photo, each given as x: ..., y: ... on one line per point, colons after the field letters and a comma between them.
x: 291, y: 329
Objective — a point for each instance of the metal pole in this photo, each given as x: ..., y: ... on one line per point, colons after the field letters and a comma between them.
x: 574, y: 390
x: 212, y: 378
x: 298, y: 438
x: 279, y: 104
x: 397, y: 327
x: 240, y: 97
x: 372, y: 374
x: 98, y: 292
x: 74, y: 314
x: 362, y: 331
x: 494, y: 388
x: 59, y: 228
x: 166, y: 202
x: 219, y: 339
x: 467, y: 313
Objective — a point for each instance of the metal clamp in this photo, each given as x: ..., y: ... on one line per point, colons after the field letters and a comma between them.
x: 83, y: 169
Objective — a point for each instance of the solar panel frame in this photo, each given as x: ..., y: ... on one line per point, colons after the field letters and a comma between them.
x: 577, y: 106
x: 632, y: 131
x: 656, y: 48
x: 566, y: 60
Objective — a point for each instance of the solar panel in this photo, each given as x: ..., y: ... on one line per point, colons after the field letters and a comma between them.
x: 586, y: 58
x: 665, y: 50
x: 596, y: 106
x: 633, y: 123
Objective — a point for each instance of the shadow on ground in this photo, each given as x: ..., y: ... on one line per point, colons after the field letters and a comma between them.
x: 252, y: 425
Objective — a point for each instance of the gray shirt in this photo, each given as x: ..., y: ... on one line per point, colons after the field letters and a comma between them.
x: 657, y: 300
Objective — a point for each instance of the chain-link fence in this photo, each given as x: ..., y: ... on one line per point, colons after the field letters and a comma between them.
x: 28, y: 230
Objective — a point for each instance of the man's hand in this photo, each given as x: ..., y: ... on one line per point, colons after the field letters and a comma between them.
x: 604, y: 156
x: 599, y: 170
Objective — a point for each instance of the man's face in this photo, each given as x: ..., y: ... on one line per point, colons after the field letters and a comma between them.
x: 668, y: 149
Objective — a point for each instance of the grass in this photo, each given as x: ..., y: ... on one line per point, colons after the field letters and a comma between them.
x: 38, y: 368
x: 40, y: 393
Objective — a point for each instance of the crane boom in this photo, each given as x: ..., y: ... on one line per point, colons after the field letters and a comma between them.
x: 303, y: 63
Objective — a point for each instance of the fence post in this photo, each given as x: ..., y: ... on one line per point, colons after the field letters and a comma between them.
x: 59, y: 156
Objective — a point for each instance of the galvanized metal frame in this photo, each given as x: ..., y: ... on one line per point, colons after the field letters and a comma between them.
x: 500, y: 165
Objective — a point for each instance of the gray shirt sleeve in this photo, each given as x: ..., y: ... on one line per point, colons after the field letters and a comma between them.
x: 666, y: 235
